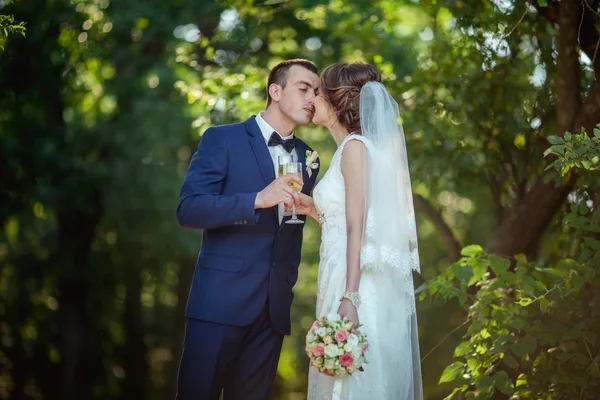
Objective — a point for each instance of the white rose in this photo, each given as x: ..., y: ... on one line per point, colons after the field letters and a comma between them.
x: 341, y: 351
x: 331, y: 350
x: 348, y: 347
x: 352, y: 340
x: 310, y: 338
x: 321, y: 332
x: 333, y: 317
x: 329, y: 364
x: 358, y: 362
x: 356, y: 352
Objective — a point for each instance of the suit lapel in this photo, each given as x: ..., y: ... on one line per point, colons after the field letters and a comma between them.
x: 261, y: 151
x: 263, y: 157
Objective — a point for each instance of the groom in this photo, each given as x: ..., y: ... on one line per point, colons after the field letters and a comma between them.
x: 239, y: 305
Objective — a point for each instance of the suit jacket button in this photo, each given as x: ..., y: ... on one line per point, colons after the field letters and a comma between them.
x: 273, y: 263
x: 245, y: 222
x: 235, y: 223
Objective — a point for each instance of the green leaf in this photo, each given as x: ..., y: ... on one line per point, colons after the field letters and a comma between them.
x: 583, y: 208
x: 479, y: 270
x: 551, y: 271
x: 543, y: 3
x: 567, y: 136
x: 485, y: 386
x: 499, y: 265
x: 597, y: 132
x: 462, y: 349
x: 521, y: 258
x: 524, y: 347
x: 452, y: 371
x: 592, y: 243
x: 472, y: 250
x: 596, y: 217
x: 522, y: 380
x: 578, y: 281
x: 544, y: 303
x: 474, y: 365
x: 504, y: 383
x: 510, y: 361
x: 451, y: 395
x: 525, y: 302
x: 463, y: 273
x: 556, y: 140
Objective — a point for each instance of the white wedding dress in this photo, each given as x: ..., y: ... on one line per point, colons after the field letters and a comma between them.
x: 387, y: 312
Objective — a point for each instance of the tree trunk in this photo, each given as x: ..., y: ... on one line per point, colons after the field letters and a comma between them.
x: 524, y: 226
x: 73, y: 294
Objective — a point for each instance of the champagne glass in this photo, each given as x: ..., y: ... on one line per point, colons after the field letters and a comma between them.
x: 281, y: 162
x: 294, y: 168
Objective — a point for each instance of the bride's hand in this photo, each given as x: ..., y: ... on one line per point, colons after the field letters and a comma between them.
x: 305, y: 205
x: 348, y: 310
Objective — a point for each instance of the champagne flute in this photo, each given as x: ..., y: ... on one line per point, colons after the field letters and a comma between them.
x: 281, y: 162
x: 294, y: 168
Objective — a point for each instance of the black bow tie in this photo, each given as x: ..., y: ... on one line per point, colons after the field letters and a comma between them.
x: 288, y: 145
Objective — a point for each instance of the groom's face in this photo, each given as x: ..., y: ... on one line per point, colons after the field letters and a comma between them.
x: 296, y: 99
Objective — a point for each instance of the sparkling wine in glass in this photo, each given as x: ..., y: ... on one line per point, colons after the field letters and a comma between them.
x: 294, y: 168
x: 281, y: 162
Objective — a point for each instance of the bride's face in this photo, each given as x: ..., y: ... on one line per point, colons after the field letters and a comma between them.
x: 323, y: 111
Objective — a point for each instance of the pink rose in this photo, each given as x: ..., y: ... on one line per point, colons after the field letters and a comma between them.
x: 346, y: 359
x: 365, y: 348
x: 308, y: 349
x: 327, y: 340
x: 341, y: 335
x: 328, y: 373
x: 318, y: 350
x: 355, y: 331
x: 315, y: 325
x: 314, y: 155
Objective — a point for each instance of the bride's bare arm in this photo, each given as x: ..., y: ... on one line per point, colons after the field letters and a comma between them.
x: 354, y: 159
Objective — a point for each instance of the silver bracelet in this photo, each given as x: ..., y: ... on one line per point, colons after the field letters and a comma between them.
x: 354, y: 298
x: 321, y: 218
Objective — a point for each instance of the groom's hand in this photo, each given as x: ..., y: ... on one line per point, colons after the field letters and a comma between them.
x: 277, y: 192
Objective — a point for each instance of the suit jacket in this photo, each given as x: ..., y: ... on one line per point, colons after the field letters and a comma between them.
x: 246, y: 257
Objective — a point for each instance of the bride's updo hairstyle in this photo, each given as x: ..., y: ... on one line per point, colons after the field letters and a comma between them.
x: 341, y: 84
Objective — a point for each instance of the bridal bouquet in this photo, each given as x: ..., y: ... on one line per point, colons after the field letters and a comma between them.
x: 335, y: 346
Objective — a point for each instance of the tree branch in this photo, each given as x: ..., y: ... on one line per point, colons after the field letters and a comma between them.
x: 526, y: 223
x: 435, y: 217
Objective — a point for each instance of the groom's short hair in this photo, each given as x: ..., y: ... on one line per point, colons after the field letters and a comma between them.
x: 279, y: 73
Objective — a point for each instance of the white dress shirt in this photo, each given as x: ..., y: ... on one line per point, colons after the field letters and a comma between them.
x: 267, y: 130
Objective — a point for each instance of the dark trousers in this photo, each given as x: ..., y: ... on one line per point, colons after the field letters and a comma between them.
x: 239, y: 361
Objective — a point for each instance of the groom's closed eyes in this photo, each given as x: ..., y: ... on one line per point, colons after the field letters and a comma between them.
x: 305, y: 86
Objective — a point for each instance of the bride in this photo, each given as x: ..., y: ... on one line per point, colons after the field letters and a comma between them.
x: 369, y: 243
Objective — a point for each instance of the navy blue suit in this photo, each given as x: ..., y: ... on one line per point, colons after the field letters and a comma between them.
x: 240, y: 297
